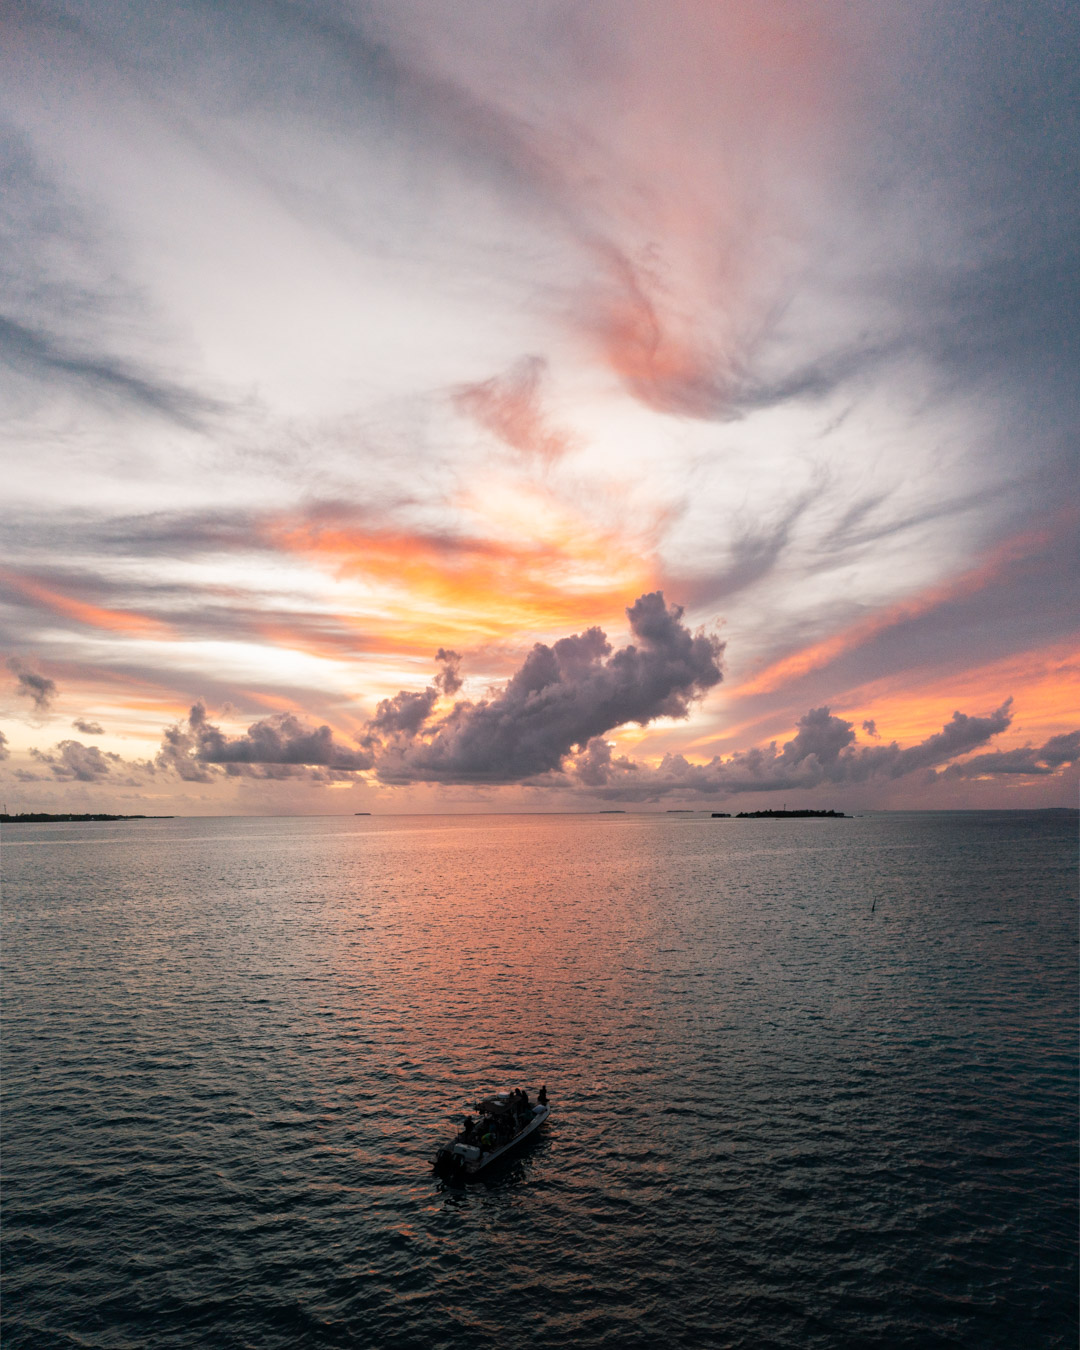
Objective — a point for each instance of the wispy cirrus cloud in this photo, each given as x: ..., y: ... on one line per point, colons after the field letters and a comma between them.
x: 44, y: 357
x: 69, y: 322
x: 509, y: 406
x: 1026, y: 562
x: 81, y: 612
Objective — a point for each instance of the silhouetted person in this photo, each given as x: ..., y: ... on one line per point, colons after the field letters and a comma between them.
x: 541, y: 1096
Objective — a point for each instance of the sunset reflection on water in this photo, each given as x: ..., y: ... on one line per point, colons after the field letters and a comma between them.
x: 782, y: 1056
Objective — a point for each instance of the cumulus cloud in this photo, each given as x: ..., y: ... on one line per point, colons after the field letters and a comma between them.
x: 4, y: 751
x: 546, y: 727
x: 78, y: 763
x: 823, y: 750
x: 1029, y: 760
x: 403, y: 715
x: 88, y: 728
x: 178, y: 753
x: 276, y: 747
x: 39, y: 688
x: 561, y: 697
x: 449, y: 677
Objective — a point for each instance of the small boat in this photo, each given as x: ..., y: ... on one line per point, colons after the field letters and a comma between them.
x: 505, y: 1120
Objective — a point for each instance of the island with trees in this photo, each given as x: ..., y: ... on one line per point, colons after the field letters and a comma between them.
x: 47, y: 818
x: 792, y: 815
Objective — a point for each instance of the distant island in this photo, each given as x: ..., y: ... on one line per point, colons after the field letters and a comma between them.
x: 612, y: 811
x: 791, y: 815
x: 721, y: 815
x: 44, y: 818
x: 361, y: 813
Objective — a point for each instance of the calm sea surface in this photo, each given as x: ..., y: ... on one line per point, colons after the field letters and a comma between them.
x: 814, y: 1083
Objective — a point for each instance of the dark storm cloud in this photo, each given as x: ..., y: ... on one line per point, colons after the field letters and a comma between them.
x: 38, y: 688
x: 561, y: 697
x: 88, y: 728
x: 824, y: 750
x: 282, y: 742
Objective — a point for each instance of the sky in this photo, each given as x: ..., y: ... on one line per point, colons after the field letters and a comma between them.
x: 480, y: 405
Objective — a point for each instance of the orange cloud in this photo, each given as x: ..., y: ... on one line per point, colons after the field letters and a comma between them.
x: 820, y: 654
x: 91, y: 616
x: 699, y: 225
x: 1044, y: 684
x: 509, y: 407
x: 563, y: 572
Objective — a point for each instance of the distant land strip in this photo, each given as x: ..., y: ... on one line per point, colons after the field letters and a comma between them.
x: 788, y: 815
x: 44, y: 818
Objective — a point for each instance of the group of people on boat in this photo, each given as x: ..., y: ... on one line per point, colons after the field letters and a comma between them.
x: 501, y: 1118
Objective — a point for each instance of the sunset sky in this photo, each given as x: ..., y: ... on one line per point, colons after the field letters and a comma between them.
x: 727, y: 351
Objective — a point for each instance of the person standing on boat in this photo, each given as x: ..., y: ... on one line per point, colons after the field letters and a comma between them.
x: 541, y: 1096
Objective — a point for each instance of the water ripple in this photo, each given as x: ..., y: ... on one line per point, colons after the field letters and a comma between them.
x: 815, y: 1082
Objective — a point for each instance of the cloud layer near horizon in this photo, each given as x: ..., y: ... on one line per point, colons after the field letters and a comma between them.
x: 545, y: 728
x: 823, y: 752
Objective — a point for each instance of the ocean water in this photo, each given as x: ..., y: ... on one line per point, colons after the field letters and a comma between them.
x: 814, y: 1083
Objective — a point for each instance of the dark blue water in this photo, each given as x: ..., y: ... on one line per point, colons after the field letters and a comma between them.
x: 814, y: 1082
